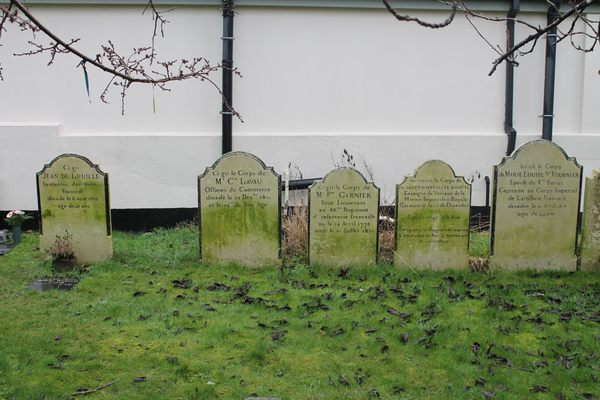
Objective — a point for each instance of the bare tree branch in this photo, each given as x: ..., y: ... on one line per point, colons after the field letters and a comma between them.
x: 53, y: 48
x: 496, y: 49
x: 527, y: 45
x: 159, y: 23
x: 539, y: 32
x: 119, y: 68
x: 125, y: 70
x: 426, y: 24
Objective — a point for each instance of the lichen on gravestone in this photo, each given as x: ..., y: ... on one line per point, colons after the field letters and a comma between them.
x: 73, y: 199
x: 432, y: 219
x: 590, y: 229
x: 239, y: 210
x: 535, y: 207
x: 343, y: 217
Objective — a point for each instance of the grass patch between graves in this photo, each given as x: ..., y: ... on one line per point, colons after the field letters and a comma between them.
x: 154, y: 323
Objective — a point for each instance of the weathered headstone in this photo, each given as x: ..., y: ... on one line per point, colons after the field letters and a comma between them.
x: 73, y: 199
x: 4, y: 245
x: 239, y: 206
x: 432, y: 219
x: 343, y: 217
x: 535, y: 207
x: 590, y: 230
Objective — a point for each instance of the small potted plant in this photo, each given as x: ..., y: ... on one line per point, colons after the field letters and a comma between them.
x: 63, y: 253
x: 15, y: 219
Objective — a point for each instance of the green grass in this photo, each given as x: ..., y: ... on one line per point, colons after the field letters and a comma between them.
x: 293, y: 332
x: 479, y: 244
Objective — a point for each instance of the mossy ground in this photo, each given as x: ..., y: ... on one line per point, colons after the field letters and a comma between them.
x: 157, y: 324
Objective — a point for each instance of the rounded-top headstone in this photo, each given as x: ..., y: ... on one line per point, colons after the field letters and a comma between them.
x: 73, y: 199
x: 343, y: 217
x: 239, y: 207
x: 432, y: 219
x: 590, y: 227
x: 535, y: 206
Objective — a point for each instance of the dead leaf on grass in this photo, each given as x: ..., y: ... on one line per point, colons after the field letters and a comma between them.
x: 539, y: 389
x: 279, y: 335
x: 397, y: 389
x: 360, y: 376
x: 339, y: 331
x: 218, y: 287
x: 343, y: 381
x: 402, y: 315
x: 276, y: 292
x: 182, y: 283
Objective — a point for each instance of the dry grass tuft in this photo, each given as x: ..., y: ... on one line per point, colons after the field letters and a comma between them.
x: 295, y: 233
x: 295, y: 236
x: 479, y: 264
x: 386, y: 241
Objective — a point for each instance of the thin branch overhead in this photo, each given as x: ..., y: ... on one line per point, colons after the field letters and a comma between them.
x: 139, y: 67
x: 408, y: 18
x: 159, y: 23
x: 572, y: 15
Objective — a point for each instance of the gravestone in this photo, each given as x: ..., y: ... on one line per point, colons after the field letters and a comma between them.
x: 590, y: 230
x: 239, y: 206
x: 73, y: 199
x: 4, y: 245
x: 343, y: 217
x: 432, y: 219
x: 535, y: 207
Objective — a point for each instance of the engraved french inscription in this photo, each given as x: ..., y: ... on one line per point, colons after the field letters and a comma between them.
x: 432, y: 219
x: 343, y: 220
x: 73, y: 199
x: 239, y: 212
x: 535, y: 209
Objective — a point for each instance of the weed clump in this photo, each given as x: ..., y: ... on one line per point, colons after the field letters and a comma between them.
x: 295, y: 234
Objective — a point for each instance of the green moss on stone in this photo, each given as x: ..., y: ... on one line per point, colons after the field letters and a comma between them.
x: 536, y: 206
x: 343, y: 220
x: 432, y: 219
x: 239, y: 212
x: 72, y: 193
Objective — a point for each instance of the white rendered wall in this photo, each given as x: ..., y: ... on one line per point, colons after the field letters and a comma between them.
x: 315, y: 82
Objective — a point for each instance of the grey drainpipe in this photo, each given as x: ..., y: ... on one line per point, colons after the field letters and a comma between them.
x: 227, y: 86
x: 551, y: 39
x: 511, y: 132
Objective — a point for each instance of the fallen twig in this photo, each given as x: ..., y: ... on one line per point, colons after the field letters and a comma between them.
x: 84, y: 391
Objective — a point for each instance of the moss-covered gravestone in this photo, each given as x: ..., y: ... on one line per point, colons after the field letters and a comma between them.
x: 343, y: 216
x: 590, y: 231
x: 239, y: 206
x: 73, y: 202
x: 432, y: 219
x: 535, y: 207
